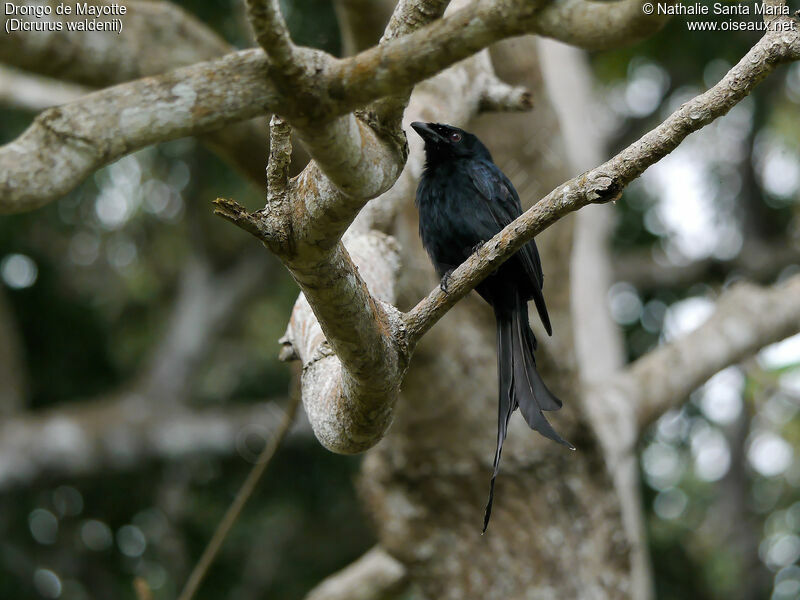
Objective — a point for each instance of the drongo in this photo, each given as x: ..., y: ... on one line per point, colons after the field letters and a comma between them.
x: 464, y: 199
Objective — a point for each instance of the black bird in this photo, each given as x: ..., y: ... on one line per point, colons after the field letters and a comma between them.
x: 464, y: 199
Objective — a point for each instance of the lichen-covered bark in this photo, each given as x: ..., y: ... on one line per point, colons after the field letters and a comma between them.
x: 314, y: 90
x: 67, y: 143
x: 156, y: 37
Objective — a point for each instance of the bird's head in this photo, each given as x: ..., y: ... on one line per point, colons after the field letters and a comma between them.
x: 445, y: 142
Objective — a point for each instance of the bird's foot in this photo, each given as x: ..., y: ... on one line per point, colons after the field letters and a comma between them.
x: 477, y: 247
x: 445, y: 280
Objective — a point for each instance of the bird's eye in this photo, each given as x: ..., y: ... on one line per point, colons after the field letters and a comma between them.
x: 455, y: 137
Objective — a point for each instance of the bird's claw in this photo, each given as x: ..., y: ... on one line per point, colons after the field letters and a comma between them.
x: 477, y: 247
x: 445, y: 280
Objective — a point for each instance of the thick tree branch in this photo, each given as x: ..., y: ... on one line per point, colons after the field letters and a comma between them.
x: 156, y: 37
x: 352, y: 354
x: 594, y: 25
x: 387, y: 68
x: 747, y: 318
x: 82, y: 137
x: 66, y: 144
x: 349, y: 395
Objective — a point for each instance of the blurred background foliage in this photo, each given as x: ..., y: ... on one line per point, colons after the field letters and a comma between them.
x: 89, y: 281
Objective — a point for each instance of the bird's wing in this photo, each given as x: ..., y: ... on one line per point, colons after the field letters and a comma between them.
x: 504, y: 206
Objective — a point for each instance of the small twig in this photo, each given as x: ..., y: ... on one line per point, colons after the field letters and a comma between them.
x: 271, y: 31
x: 235, y: 509
x: 280, y: 155
x: 232, y: 211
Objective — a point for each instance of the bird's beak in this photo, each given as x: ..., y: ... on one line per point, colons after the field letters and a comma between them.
x: 426, y: 132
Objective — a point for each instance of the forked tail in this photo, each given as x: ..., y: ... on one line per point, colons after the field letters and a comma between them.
x: 519, y: 385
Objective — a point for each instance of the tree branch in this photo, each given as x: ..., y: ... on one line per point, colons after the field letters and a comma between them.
x: 349, y: 395
x: 374, y: 576
x: 117, y: 433
x: 34, y: 93
x: 65, y: 144
x: 208, y: 96
x: 747, y: 318
x: 388, y: 68
x: 759, y: 261
x: 156, y: 37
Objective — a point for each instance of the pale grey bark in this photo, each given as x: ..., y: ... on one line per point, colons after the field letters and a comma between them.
x: 204, y: 97
x: 34, y: 93
x: 65, y: 144
x: 374, y: 576
x: 156, y: 37
x: 747, y: 318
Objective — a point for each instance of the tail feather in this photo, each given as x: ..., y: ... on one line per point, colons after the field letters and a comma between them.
x: 530, y: 393
x: 506, y: 404
x: 541, y: 308
x: 519, y: 386
x: 546, y: 399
